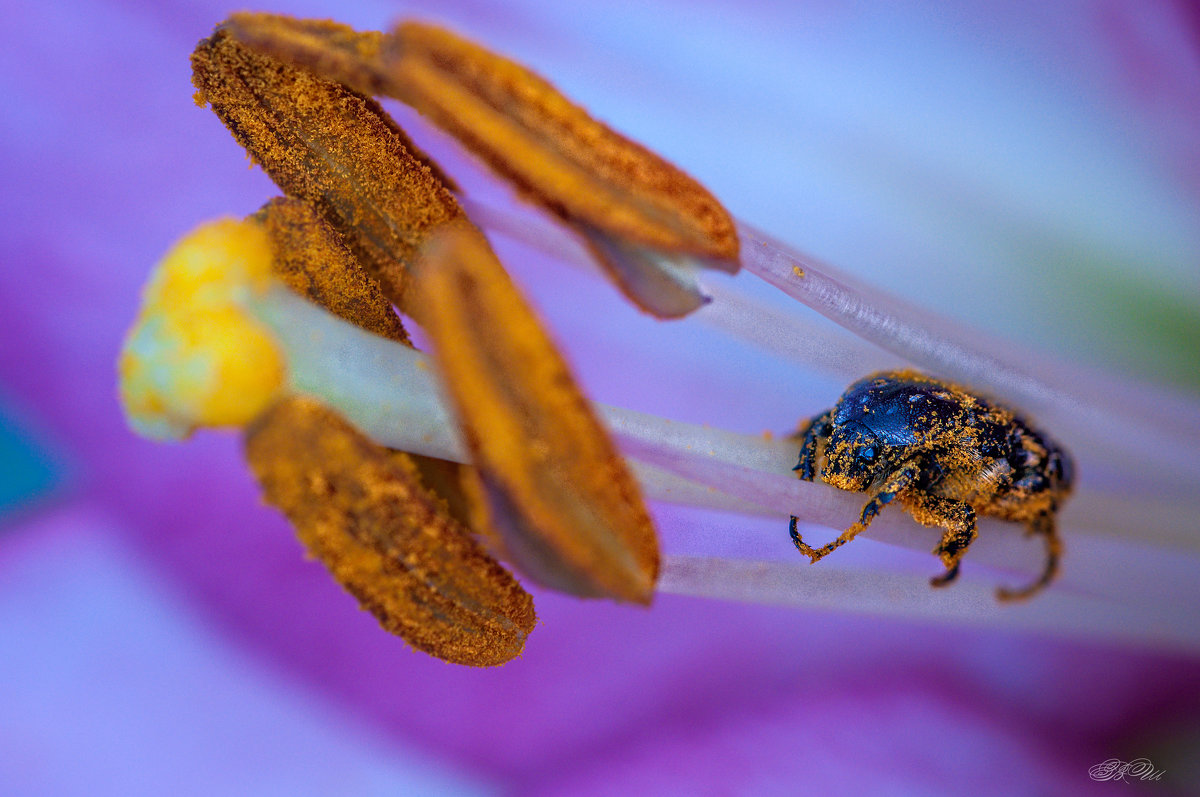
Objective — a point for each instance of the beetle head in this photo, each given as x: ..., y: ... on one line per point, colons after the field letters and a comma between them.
x: 854, y: 457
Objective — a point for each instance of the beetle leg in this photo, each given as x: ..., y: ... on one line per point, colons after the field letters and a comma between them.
x: 1041, y: 525
x: 899, y: 481
x: 958, y: 519
x: 817, y: 429
x: 815, y: 554
x: 945, y: 578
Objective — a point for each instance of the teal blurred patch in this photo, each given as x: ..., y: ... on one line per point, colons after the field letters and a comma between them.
x: 27, y: 470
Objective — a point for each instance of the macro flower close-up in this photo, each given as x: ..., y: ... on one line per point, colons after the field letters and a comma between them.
x: 693, y: 398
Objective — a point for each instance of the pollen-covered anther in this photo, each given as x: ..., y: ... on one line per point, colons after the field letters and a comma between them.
x: 638, y: 213
x: 326, y: 48
x: 550, y: 482
x: 363, y: 511
x: 324, y: 143
x: 312, y: 260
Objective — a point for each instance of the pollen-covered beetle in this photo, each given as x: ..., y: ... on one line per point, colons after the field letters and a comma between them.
x: 947, y: 455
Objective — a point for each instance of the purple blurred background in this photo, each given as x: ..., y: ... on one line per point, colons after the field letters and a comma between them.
x: 1033, y: 171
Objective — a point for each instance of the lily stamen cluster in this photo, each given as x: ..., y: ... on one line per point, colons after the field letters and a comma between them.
x: 412, y: 477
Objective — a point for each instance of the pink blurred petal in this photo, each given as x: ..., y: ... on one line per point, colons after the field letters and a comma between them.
x: 107, y: 160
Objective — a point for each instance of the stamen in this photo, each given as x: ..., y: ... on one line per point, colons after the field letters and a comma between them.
x: 363, y: 511
x: 329, y: 50
x: 568, y: 512
x: 323, y: 143
x: 311, y: 259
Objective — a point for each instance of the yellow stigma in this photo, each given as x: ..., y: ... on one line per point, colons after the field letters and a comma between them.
x: 194, y: 356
